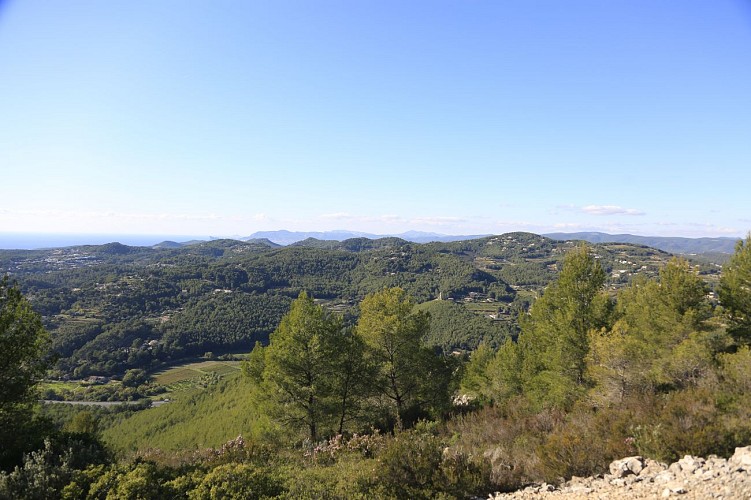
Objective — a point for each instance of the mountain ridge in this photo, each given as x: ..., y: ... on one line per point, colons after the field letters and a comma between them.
x: 671, y: 244
x: 285, y: 237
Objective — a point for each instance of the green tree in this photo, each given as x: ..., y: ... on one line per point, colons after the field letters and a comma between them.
x: 735, y: 292
x: 299, y: 364
x: 23, y: 344
x: 554, y: 340
x: 351, y: 375
x: 660, y: 338
x: 476, y: 379
x: 254, y: 366
x: 135, y: 378
x: 410, y: 377
x: 83, y: 422
x: 504, y: 372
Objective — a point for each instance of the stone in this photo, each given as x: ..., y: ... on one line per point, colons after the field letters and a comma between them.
x: 689, y: 464
x: 664, y: 477
x: 741, y: 459
x: 673, y: 488
x: 627, y: 466
x: 578, y: 488
x: 652, y: 468
x: 690, y: 477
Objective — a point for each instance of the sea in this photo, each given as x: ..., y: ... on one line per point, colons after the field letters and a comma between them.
x: 34, y: 241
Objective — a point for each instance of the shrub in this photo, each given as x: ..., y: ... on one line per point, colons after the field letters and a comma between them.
x: 236, y: 480
x: 417, y: 464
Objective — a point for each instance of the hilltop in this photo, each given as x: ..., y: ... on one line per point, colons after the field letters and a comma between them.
x: 677, y: 245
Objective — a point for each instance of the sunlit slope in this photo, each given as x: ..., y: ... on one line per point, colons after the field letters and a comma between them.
x: 203, y: 419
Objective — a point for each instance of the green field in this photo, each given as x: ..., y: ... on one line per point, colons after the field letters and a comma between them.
x: 59, y: 385
x: 482, y: 307
x: 193, y: 371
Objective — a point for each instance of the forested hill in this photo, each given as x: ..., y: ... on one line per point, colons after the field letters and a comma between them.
x: 114, y: 307
x: 675, y: 245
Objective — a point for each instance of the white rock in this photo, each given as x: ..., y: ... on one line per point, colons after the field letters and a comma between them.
x: 664, y: 477
x: 627, y: 466
x: 673, y: 488
x: 581, y: 489
x: 741, y: 459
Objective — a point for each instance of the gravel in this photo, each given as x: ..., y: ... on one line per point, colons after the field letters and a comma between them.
x: 636, y: 477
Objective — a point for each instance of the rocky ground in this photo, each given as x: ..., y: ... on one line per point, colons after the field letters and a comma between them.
x: 637, y: 477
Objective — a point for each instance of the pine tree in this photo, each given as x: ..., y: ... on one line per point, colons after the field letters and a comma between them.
x: 23, y: 345
x: 735, y: 292
x: 410, y: 377
x: 554, y: 341
x: 298, y: 367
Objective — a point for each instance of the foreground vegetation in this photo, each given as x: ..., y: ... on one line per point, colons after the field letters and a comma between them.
x: 332, y: 408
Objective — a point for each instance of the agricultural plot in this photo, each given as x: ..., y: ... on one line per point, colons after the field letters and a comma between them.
x: 195, y: 371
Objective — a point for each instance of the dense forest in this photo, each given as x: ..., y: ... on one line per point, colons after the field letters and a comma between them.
x: 373, y: 369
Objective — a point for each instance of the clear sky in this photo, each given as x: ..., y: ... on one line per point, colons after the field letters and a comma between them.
x: 458, y: 117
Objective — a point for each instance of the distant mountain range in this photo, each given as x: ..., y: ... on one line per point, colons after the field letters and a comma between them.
x: 675, y: 245
x: 289, y: 237
x: 670, y: 244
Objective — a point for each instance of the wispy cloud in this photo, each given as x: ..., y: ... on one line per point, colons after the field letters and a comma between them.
x: 570, y: 226
x: 337, y: 216
x: 597, y: 210
x: 609, y: 210
x: 437, y: 221
x: 394, y: 219
x: 711, y: 229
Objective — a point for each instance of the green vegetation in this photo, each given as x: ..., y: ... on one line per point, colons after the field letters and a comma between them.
x: 455, y: 326
x: 195, y: 419
x: 356, y: 401
x: 23, y: 342
x: 409, y: 378
x: 195, y: 371
x: 735, y: 292
x: 112, y: 308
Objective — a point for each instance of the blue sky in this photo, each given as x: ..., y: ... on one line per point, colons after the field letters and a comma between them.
x: 459, y: 117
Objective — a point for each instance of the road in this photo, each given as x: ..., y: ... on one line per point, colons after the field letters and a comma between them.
x: 105, y: 404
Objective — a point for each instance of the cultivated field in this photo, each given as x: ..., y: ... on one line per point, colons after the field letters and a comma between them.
x: 195, y: 371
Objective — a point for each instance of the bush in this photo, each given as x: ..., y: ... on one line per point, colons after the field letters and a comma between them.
x: 584, y: 443
x: 410, y: 466
x: 417, y: 464
x: 691, y: 423
x: 349, y: 478
x: 236, y: 480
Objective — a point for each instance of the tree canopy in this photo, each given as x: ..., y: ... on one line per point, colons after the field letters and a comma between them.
x: 555, y: 336
x: 735, y: 292
x: 23, y: 345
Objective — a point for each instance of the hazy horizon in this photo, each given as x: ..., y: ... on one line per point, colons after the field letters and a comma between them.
x: 37, y: 241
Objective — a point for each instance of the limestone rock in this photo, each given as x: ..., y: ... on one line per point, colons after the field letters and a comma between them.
x: 692, y: 478
x: 652, y: 468
x: 741, y: 459
x: 627, y: 466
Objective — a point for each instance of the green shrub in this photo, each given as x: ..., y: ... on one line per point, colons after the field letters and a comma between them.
x: 349, y: 478
x: 417, y: 464
x: 235, y: 480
